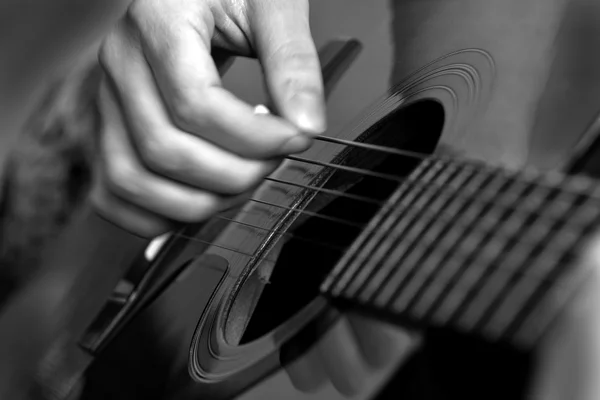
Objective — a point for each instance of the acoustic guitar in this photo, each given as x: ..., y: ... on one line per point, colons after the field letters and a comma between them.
x: 422, y: 248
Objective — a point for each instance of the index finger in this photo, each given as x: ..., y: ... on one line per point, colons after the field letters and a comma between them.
x: 287, y: 52
x: 179, y: 55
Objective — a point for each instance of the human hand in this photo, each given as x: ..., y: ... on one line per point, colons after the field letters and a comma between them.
x: 175, y: 145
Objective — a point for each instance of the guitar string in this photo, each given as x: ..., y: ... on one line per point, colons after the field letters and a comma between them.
x: 340, y: 167
x: 309, y: 213
x: 267, y: 231
x: 369, y: 146
x: 365, y: 172
x: 264, y: 258
x: 426, y: 213
x: 286, y: 234
x: 362, y: 199
x: 388, y: 150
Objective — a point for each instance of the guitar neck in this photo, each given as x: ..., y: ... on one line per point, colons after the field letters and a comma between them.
x: 481, y: 250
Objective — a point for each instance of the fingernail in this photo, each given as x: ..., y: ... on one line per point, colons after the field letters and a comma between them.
x: 296, y: 144
x: 308, y: 112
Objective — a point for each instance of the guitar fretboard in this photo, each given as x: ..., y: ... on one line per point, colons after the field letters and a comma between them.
x: 473, y: 248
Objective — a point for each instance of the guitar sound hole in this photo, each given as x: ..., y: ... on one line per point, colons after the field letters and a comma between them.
x: 302, y: 265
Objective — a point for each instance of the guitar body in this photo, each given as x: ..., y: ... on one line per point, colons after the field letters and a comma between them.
x: 231, y: 309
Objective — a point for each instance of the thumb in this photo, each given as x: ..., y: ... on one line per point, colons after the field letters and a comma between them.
x: 569, y: 363
x: 287, y: 53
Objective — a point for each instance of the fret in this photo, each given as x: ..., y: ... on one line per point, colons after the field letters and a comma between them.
x: 579, y: 224
x: 442, y: 278
x: 419, y: 255
x: 532, y: 236
x: 539, y: 198
x: 492, y: 290
x: 434, y: 293
x: 400, y: 223
x: 515, y: 300
x: 482, y: 260
x: 461, y: 203
x: 405, y: 248
x: 545, y: 312
x: 385, y: 267
x: 353, y: 263
x: 427, y: 269
x: 348, y: 266
x: 404, y: 232
x: 401, y: 249
x: 474, y: 249
x: 444, y: 296
x: 518, y: 298
x: 383, y: 273
x: 463, y: 289
x: 478, y: 266
x: 562, y: 205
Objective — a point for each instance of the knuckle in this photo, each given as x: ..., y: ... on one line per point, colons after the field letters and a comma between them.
x: 146, y: 227
x: 234, y: 176
x: 158, y: 155
x: 115, y: 50
x: 125, y: 180
x: 303, y: 58
x: 136, y: 12
x: 296, y: 84
x: 187, y: 111
x: 182, y: 111
x: 240, y: 184
x: 106, y: 54
x: 199, y: 211
x: 151, y: 228
x: 295, y: 54
x: 243, y: 179
x: 112, y: 209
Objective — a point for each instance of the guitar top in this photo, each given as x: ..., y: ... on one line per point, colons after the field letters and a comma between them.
x: 439, y: 217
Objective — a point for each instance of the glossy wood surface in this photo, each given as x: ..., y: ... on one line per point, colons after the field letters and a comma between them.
x: 520, y: 89
x: 531, y: 91
x: 519, y: 82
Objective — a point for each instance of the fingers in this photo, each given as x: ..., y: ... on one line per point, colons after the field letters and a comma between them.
x: 179, y: 147
x: 162, y: 147
x: 290, y: 61
x: 135, y: 197
x: 129, y: 217
x: 189, y: 83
